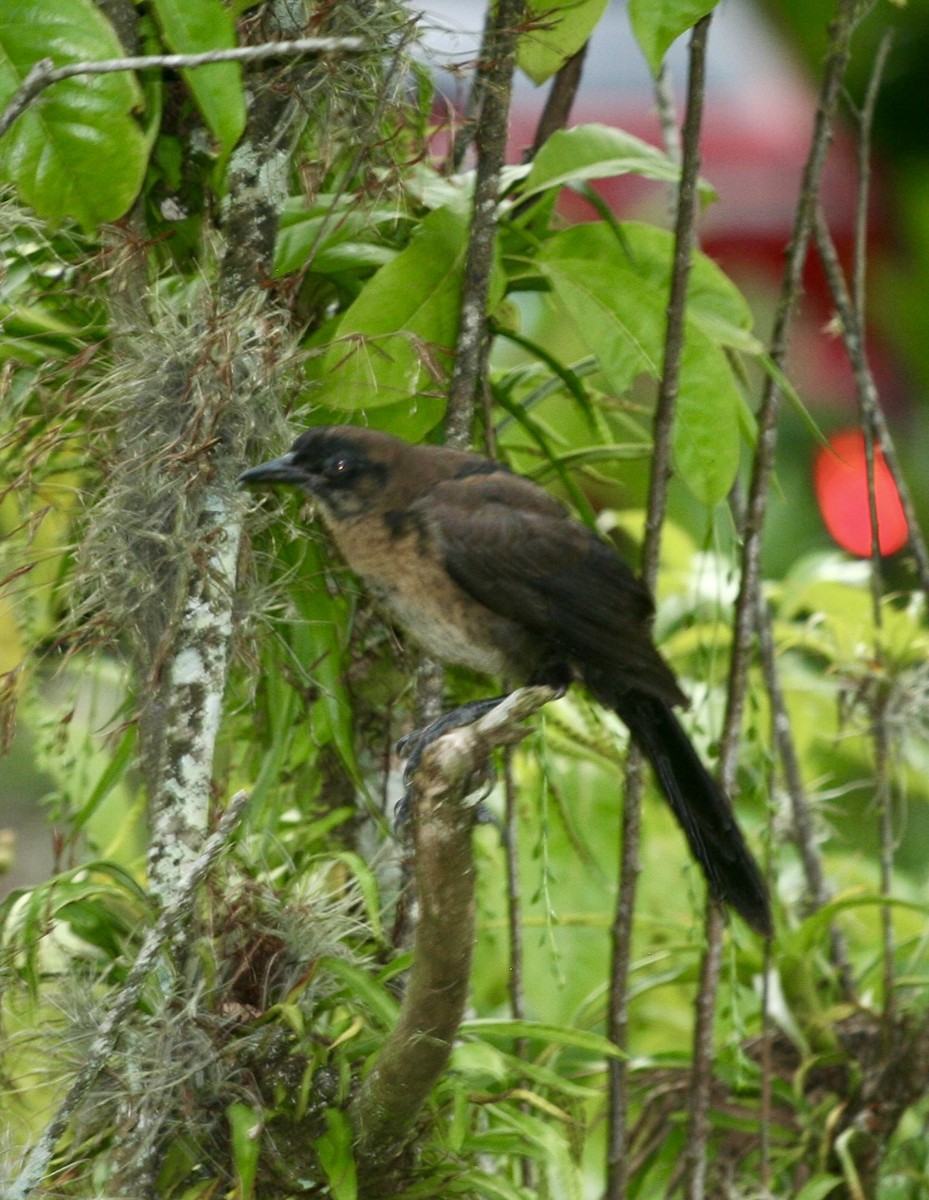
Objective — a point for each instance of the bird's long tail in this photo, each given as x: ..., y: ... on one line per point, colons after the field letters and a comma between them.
x: 700, y: 805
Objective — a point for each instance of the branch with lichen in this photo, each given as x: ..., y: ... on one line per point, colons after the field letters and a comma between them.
x: 172, y: 919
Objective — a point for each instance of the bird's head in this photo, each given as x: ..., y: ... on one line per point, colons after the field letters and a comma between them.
x: 344, y: 468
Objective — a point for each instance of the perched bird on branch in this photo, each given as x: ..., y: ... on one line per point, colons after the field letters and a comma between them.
x: 486, y: 569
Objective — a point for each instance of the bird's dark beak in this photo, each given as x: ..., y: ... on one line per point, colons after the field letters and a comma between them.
x: 278, y: 470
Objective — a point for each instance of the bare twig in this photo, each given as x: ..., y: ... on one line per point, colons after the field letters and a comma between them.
x: 841, y: 29
x: 701, y: 1076
x: 417, y: 1051
x: 802, y: 818
x: 173, y: 917
x: 865, y: 124
x: 559, y: 101
x: 667, y: 116
x: 853, y: 337
x: 621, y: 929
x: 44, y: 73
x: 514, y: 913
x: 498, y: 55
x: 852, y: 314
x: 705, y: 1002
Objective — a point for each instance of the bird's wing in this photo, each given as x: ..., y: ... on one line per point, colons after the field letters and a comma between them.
x: 514, y: 548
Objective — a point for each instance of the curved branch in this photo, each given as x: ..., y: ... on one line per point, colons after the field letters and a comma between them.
x: 417, y: 1051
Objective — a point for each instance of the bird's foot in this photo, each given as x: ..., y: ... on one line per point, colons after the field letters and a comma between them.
x: 415, y: 744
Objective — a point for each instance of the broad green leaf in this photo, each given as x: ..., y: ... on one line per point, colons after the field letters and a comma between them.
x: 397, y: 339
x: 191, y: 27
x: 307, y: 236
x: 556, y: 30
x: 657, y: 23
x: 706, y: 436
x: 77, y: 151
x: 615, y: 292
x: 595, y: 152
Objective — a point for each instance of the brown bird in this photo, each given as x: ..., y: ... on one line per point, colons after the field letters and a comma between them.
x: 486, y: 569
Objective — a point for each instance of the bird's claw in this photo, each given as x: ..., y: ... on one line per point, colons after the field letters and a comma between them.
x: 414, y: 744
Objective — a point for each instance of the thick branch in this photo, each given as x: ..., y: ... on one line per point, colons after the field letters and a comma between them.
x: 196, y: 682
x: 418, y: 1049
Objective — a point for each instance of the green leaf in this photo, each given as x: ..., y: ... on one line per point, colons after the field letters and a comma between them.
x: 595, y: 152
x: 113, y: 772
x: 556, y: 30
x: 192, y: 27
x: 318, y: 648
x: 77, y: 151
x: 397, y: 338
x: 334, y: 1149
x: 368, y: 887
x: 364, y: 987
x: 657, y: 23
x: 614, y: 292
x: 245, y: 1124
x: 559, y: 1035
x: 495, y: 1186
x: 308, y: 236
x: 819, y: 1187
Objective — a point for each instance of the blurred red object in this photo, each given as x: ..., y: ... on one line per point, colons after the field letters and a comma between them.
x: 840, y: 478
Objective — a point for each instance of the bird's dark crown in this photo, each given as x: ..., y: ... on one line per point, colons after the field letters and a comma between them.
x: 333, y: 459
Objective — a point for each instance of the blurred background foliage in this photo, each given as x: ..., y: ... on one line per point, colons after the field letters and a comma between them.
x: 299, y: 951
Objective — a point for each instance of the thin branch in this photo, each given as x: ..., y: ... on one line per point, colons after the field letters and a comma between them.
x: 621, y: 929
x: 560, y: 100
x: 852, y: 314
x: 685, y: 226
x: 802, y: 817
x: 701, y: 1076
x: 175, y: 915
x: 865, y: 125
x: 44, y: 73
x: 841, y: 29
x: 418, y: 1049
x: 667, y: 116
x: 514, y: 914
x: 514, y: 899
x: 853, y: 337
x: 498, y: 56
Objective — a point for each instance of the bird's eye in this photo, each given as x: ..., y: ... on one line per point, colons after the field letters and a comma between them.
x: 339, y: 468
